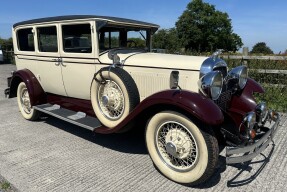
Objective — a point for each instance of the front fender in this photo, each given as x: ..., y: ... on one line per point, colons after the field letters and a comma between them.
x: 36, y: 92
x: 195, y: 104
x: 244, y: 102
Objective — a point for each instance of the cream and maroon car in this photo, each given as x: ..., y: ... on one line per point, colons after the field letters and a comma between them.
x: 100, y: 74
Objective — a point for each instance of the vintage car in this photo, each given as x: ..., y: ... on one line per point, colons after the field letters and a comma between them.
x: 100, y: 73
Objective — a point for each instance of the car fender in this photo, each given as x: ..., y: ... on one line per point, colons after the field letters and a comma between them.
x: 198, y: 106
x: 36, y: 92
x: 244, y: 102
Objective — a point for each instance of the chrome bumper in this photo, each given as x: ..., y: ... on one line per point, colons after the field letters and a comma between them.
x: 251, y: 151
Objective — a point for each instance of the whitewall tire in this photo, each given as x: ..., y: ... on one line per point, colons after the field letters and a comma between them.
x: 180, y: 149
x: 24, y: 104
x: 114, y: 95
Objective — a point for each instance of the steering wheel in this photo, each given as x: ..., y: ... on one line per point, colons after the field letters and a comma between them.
x: 131, y: 43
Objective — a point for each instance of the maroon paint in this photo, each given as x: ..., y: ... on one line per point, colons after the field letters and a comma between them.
x: 36, y: 92
x: 245, y: 102
x: 195, y: 104
x: 72, y: 103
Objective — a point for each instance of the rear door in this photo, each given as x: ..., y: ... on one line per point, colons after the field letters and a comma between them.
x: 49, y: 71
x: 78, y: 50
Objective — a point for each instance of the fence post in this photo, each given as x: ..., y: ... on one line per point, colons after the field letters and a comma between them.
x: 245, y: 52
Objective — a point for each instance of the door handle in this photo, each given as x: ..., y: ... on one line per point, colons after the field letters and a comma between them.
x: 57, y: 61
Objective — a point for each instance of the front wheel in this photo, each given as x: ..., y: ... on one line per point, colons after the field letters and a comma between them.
x: 24, y: 104
x: 180, y: 149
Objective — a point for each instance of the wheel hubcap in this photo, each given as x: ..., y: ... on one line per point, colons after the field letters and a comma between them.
x: 25, y: 101
x: 171, y: 148
x: 111, y: 100
x: 176, y: 146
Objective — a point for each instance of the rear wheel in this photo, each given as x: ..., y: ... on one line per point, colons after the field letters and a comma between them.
x: 180, y: 149
x: 24, y: 104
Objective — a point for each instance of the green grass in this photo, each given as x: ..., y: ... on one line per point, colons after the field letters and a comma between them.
x: 275, y: 85
x: 5, y: 185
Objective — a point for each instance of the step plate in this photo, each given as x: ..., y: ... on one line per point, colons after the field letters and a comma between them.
x: 77, y: 118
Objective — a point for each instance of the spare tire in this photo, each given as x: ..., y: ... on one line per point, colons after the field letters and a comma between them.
x: 114, y: 95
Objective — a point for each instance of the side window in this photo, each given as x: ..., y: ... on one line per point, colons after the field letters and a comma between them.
x: 109, y: 40
x: 25, y: 39
x: 47, y: 39
x: 77, y: 38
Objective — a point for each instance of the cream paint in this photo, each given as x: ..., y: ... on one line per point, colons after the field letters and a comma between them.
x: 159, y: 60
x: 151, y: 71
x: 78, y: 69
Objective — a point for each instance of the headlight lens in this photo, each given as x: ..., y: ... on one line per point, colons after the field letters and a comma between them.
x: 239, y: 72
x: 262, y: 112
x: 211, y: 84
x: 247, y: 126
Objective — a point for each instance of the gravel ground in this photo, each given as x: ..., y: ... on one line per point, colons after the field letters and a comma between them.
x: 52, y: 155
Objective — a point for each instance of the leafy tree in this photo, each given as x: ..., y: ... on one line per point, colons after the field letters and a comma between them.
x: 138, y: 42
x: 202, y: 28
x: 6, y: 44
x: 166, y: 39
x: 261, y: 47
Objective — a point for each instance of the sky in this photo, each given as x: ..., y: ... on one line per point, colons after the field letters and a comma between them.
x: 254, y: 21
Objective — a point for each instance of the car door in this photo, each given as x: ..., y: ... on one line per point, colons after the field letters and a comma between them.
x: 77, y: 52
x: 49, y: 70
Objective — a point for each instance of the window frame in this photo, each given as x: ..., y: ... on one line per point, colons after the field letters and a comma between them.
x: 18, y: 39
x: 94, y: 52
x: 38, y: 40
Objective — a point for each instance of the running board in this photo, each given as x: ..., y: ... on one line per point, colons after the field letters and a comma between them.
x: 77, y: 118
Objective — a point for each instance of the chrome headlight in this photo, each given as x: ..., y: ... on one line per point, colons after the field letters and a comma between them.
x: 240, y: 73
x: 262, y: 113
x: 211, y: 84
x: 247, y: 126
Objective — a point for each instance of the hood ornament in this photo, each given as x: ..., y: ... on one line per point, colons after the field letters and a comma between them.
x: 216, y: 54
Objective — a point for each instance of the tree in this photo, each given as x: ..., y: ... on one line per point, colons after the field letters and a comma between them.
x: 166, y: 39
x: 202, y: 28
x: 261, y: 47
x: 6, y: 44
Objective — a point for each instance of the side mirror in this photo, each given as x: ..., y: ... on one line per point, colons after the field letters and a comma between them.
x: 174, y: 77
x: 113, y: 56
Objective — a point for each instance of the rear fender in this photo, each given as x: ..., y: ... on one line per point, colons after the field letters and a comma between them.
x: 36, y: 92
x: 198, y: 106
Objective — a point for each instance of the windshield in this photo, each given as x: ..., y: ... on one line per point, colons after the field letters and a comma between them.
x: 130, y: 38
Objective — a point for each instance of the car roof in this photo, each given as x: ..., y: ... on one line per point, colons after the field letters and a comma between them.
x: 95, y: 17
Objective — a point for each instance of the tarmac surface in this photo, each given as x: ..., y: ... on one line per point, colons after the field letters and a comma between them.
x: 52, y: 155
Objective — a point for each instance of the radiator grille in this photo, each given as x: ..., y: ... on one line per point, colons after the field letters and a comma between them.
x: 224, y: 100
x: 227, y: 91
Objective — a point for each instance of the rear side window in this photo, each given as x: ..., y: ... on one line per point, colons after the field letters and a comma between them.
x: 47, y: 39
x: 77, y: 38
x: 25, y: 39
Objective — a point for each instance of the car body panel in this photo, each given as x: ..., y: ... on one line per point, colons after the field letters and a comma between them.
x: 194, y: 104
x: 36, y: 92
x: 244, y: 102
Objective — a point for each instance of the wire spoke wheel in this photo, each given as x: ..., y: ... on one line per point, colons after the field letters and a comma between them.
x: 176, y: 146
x: 24, y: 103
x: 182, y: 148
x: 111, y: 100
x: 114, y: 95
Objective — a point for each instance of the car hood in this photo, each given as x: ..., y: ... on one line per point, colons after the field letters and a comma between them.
x: 158, y: 60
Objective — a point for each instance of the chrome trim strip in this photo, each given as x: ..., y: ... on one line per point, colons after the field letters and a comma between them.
x: 253, y: 149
